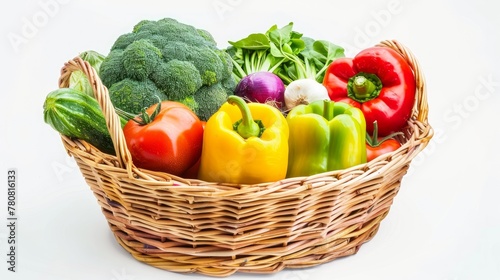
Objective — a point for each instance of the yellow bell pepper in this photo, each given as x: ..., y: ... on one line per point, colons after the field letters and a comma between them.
x: 238, y: 149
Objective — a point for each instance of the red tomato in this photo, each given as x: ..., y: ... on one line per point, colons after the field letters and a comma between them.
x: 192, y: 172
x: 387, y: 146
x: 376, y: 146
x: 170, y: 142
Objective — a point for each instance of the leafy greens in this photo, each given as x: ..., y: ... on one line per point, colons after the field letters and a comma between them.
x: 283, y: 51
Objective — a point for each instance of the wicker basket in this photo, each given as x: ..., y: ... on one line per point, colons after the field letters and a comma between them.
x: 218, y: 229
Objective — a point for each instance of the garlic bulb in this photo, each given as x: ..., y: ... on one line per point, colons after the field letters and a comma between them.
x: 304, y: 91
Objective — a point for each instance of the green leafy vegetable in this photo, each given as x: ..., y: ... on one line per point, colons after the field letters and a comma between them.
x: 283, y: 51
x: 78, y: 80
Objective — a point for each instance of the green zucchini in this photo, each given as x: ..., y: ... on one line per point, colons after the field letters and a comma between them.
x: 78, y: 115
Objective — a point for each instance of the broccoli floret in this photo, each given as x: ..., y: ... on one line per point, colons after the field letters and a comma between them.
x: 210, y: 65
x: 229, y: 85
x: 209, y: 99
x: 191, y: 103
x: 177, y: 50
x: 111, y: 70
x: 177, y: 79
x: 205, y: 34
x: 123, y: 41
x: 207, y: 60
x: 151, y: 26
x: 135, y: 95
x: 140, y: 58
x: 172, y: 60
x: 228, y: 68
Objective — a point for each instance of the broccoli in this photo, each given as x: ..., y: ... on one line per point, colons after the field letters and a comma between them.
x: 140, y: 59
x: 137, y: 95
x: 171, y: 60
x: 178, y: 78
x: 112, y: 66
x: 208, y: 97
x: 208, y: 62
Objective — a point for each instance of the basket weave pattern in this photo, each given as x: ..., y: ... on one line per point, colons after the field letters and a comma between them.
x: 218, y: 229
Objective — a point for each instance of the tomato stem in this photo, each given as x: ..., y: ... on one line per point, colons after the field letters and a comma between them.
x: 124, y: 114
x: 373, y: 140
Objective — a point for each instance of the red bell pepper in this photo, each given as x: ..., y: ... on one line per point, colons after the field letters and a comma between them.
x: 380, y: 82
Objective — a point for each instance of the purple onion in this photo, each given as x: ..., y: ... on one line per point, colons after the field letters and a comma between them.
x: 263, y: 87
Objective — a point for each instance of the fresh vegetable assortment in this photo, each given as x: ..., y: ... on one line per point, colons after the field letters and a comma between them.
x: 269, y: 106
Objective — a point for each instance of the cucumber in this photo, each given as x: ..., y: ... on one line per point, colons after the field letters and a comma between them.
x: 78, y: 115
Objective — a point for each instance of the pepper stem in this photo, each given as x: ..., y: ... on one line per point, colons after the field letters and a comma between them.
x: 364, y: 86
x: 246, y: 127
x: 328, y: 112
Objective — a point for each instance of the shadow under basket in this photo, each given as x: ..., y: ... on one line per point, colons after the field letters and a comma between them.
x: 185, y: 225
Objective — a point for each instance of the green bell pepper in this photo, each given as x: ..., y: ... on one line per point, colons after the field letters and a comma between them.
x: 325, y: 136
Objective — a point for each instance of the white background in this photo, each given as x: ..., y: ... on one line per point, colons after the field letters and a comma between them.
x: 444, y: 223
